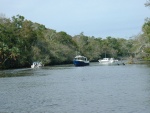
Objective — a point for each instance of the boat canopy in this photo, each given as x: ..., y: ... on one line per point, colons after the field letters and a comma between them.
x: 79, y: 57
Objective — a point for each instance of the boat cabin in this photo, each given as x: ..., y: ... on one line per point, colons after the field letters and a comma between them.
x: 80, y: 58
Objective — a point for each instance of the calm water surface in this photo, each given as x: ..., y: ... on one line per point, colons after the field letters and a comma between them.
x: 69, y: 89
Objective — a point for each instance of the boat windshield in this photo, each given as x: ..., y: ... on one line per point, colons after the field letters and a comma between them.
x: 80, y: 58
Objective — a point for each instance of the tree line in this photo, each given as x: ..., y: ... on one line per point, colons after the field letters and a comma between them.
x: 23, y: 42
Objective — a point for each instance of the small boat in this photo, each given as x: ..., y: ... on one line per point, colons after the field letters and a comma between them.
x: 80, y: 61
x: 108, y: 61
x: 36, y: 64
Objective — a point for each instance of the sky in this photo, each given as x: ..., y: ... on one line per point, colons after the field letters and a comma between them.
x: 98, y: 18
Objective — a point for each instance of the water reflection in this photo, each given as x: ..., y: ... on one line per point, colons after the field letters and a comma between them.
x: 32, y: 71
x: 16, y: 72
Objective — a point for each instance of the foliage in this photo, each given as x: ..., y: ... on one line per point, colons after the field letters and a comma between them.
x: 147, y: 4
x: 142, y: 41
x: 23, y: 42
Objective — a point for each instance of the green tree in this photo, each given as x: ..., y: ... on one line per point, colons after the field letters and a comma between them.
x: 8, y: 44
x: 146, y: 38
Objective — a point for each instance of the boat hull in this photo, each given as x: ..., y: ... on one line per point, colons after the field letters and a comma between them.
x: 80, y: 63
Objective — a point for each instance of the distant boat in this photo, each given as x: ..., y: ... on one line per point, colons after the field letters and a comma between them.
x: 36, y: 64
x: 80, y: 61
x: 108, y: 61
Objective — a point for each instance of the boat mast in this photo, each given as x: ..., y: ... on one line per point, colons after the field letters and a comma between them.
x: 105, y: 54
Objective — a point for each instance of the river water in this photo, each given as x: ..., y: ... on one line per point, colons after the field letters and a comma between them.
x: 69, y: 89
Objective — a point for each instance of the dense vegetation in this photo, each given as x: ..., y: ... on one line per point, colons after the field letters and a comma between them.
x: 22, y: 42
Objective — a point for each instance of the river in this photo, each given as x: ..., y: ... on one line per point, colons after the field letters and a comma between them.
x: 68, y: 89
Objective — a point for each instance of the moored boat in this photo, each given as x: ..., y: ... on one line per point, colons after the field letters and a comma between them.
x: 108, y: 61
x: 36, y: 64
x: 80, y: 61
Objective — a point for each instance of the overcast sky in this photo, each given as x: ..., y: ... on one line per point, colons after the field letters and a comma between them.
x: 98, y: 18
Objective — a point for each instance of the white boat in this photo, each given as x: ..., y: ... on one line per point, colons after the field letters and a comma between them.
x: 36, y: 64
x: 108, y: 61
x: 80, y: 61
